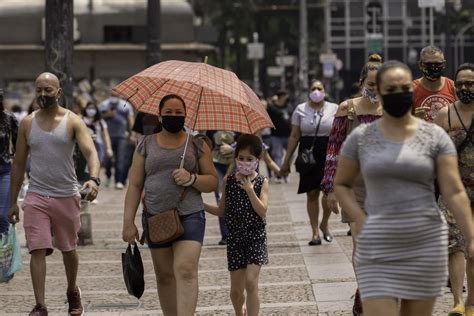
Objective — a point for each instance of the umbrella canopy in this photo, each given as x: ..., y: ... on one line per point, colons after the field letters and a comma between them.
x: 215, y: 98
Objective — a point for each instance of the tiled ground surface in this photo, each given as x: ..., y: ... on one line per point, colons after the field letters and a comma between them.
x: 300, y: 280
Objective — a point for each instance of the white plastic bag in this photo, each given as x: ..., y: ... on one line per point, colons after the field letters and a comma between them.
x: 10, y: 255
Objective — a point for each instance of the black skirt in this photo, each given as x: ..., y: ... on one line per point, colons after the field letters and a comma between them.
x: 312, y: 180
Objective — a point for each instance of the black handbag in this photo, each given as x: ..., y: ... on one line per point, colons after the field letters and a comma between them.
x: 305, y: 161
x: 133, y: 272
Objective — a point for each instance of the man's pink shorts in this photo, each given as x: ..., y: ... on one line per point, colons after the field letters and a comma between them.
x: 51, y: 221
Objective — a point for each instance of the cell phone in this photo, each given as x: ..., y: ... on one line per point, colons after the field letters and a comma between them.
x: 84, y: 193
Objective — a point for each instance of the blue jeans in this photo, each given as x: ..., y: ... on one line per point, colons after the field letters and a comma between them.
x: 127, y: 162
x: 194, y: 228
x: 5, y: 172
x: 221, y: 170
x: 279, y: 145
x: 119, y: 146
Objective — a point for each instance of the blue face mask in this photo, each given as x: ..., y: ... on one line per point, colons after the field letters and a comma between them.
x: 372, y: 96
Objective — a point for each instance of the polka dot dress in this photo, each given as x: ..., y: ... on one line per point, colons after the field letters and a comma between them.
x: 247, y: 238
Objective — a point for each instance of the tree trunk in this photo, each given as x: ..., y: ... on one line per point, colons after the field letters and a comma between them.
x: 153, y: 50
x: 59, y: 46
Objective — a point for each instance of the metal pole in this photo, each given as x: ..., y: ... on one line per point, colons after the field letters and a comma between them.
x: 153, y: 44
x: 303, y: 49
x: 431, y: 27
x: 282, y: 77
x: 386, y: 31
x: 256, y: 81
x: 405, y: 37
x: 423, y: 26
x: 327, y: 18
x: 59, y: 43
x: 456, y: 42
x: 347, y: 34
x: 448, y: 49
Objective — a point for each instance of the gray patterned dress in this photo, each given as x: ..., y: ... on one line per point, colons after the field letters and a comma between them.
x: 402, y: 248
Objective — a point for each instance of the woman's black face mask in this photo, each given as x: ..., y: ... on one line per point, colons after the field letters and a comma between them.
x: 173, y: 124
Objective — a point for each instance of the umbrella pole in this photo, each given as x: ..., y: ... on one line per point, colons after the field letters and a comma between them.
x: 181, y: 165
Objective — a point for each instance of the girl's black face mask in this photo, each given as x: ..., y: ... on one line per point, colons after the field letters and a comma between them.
x: 173, y: 124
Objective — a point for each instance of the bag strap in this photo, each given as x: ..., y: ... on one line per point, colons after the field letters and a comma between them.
x: 449, y: 117
x: 468, y: 131
x: 320, y: 114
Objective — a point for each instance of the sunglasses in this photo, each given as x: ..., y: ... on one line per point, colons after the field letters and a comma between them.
x: 433, y: 65
x: 468, y: 84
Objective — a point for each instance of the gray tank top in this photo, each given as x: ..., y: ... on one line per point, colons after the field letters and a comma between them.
x: 161, y: 192
x: 52, y: 164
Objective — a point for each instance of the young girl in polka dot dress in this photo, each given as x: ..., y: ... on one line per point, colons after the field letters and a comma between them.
x: 244, y: 207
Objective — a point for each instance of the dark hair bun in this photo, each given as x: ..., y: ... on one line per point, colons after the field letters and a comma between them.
x: 375, y: 58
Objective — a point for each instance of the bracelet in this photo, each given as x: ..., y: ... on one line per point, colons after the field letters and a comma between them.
x: 191, y: 181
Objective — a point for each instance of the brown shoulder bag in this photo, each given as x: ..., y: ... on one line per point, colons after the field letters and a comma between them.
x: 164, y: 227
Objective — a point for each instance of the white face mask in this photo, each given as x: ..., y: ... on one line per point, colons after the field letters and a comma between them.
x: 91, y: 112
x: 372, y: 96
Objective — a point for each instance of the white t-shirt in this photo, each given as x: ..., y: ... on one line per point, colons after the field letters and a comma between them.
x: 307, y: 118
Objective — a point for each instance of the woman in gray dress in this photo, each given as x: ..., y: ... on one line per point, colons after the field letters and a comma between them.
x: 402, y: 245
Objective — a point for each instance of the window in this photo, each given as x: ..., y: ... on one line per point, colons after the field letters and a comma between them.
x: 124, y: 34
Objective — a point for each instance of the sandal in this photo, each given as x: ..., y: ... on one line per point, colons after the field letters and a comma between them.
x: 326, y: 235
x: 458, y: 310
x: 315, y: 242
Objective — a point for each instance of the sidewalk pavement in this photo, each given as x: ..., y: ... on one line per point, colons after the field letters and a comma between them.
x: 299, y: 280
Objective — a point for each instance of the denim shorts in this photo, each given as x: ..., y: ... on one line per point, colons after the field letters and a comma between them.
x: 194, y: 227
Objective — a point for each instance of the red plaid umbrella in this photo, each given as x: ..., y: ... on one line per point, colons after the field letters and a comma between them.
x: 215, y: 98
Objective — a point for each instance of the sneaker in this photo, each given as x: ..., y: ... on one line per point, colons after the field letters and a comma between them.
x: 357, y: 308
x: 39, y: 310
x: 75, y: 304
x: 107, y: 182
x: 119, y: 186
x: 222, y: 242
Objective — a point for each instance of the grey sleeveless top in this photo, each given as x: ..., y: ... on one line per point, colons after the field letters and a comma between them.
x: 161, y: 191
x: 52, y: 165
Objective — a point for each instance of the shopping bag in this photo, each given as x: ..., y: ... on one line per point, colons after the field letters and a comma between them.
x: 10, y: 255
x: 132, y: 266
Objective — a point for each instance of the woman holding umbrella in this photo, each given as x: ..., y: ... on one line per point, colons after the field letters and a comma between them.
x: 156, y: 171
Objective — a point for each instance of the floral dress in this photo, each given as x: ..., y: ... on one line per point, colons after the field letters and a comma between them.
x: 465, y: 149
x: 247, y: 237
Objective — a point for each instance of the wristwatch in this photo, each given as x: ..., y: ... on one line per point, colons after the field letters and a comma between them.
x: 96, y: 180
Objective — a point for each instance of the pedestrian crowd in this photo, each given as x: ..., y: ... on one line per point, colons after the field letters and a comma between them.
x: 395, y: 159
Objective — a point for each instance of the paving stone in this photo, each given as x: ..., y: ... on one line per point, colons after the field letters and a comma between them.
x: 299, y: 280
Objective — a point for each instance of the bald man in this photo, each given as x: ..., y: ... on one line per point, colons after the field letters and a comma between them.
x: 51, y: 206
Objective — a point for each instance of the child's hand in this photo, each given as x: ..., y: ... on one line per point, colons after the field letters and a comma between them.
x: 246, y: 184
